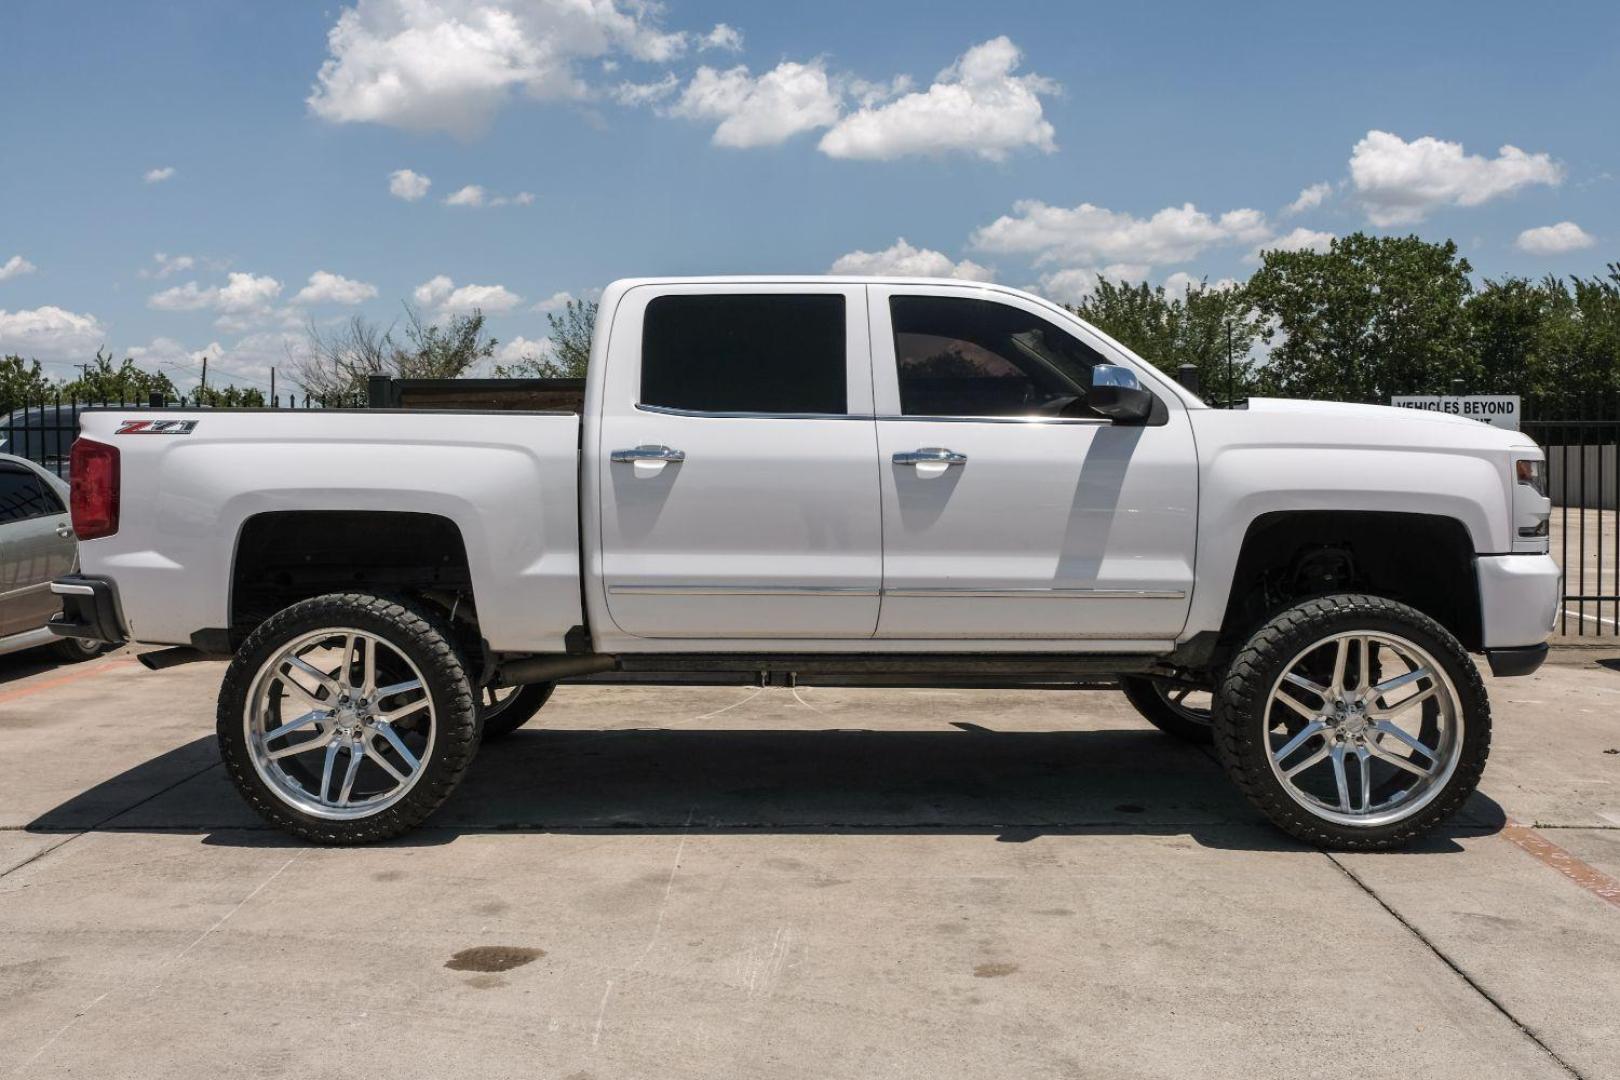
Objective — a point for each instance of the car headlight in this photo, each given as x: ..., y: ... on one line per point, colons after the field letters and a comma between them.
x: 1532, y: 472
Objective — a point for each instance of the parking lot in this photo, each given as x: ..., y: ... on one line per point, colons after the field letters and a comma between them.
x: 739, y: 882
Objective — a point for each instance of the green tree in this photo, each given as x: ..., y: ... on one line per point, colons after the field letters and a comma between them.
x: 338, y: 362
x: 228, y: 397
x: 568, y: 346
x: 1205, y: 326
x: 103, y: 380
x: 21, y: 381
x: 1370, y: 317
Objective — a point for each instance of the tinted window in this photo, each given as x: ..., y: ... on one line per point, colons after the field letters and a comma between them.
x: 745, y: 353
x: 22, y: 496
x: 965, y: 357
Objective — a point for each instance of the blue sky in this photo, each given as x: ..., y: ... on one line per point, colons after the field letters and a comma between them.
x: 253, y: 146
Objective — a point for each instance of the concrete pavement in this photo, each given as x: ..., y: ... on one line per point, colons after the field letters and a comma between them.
x: 762, y: 883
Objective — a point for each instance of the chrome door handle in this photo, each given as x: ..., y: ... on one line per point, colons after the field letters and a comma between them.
x: 647, y: 453
x: 65, y: 531
x: 930, y: 455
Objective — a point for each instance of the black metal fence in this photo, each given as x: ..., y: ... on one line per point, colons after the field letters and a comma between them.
x: 43, y: 429
x: 1580, y: 438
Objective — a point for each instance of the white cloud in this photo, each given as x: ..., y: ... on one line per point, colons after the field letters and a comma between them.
x: 1300, y: 239
x: 1309, y: 198
x: 976, y: 106
x: 1087, y: 235
x: 16, y: 266
x: 520, y: 349
x: 168, y: 265
x: 1068, y: 286
x: 634, y: 94
x: 728, y: 38
x: 408, y: 185
x: 246, y: 362
x: 444, y: 294
x: 50, y: 334
x: 449, y: 65
x: 1554, y: 239
x: 157, y: 176
x: 243, y: 302
x: 789, y: 99
x: 1400, y: 182
x: 559, y: 300
x: 902, y: 260
x: 329, y: 288
x: 474, y: 196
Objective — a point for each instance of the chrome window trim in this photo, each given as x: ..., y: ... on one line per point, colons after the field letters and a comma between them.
x: 667, y: 410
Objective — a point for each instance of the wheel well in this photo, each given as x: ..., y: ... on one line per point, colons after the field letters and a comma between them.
x: 1424, y: 560
x: 287, y: 556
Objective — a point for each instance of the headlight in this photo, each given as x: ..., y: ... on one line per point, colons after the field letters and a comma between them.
x: 1533, y: 472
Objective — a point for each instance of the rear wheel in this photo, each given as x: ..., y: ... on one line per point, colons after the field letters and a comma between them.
x: 504, y: 709
x: 1177, y: 709
x: 347, y: 718
x: 1354, y: 722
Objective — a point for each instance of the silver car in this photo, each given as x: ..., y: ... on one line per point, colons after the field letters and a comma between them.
x: 36, y: 545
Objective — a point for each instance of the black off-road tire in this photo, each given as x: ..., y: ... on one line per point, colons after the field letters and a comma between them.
x: 1240, y: 720
x: 1144, y: 696
x: 417, y: 631
x: 516, y: 711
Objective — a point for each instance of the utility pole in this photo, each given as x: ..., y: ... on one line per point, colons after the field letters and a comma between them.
x: 273, y: 388
x: 202, y: 389
x: 1231, y: 368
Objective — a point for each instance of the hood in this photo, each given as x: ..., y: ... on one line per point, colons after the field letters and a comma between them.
x: 1381, y: 422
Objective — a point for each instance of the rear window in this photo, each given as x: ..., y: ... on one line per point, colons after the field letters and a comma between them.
x: 755, y: 353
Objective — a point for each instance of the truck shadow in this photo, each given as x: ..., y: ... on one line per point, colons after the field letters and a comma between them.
x: 1010, y: 786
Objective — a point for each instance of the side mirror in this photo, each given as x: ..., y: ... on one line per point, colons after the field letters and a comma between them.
x: 1116, y: 394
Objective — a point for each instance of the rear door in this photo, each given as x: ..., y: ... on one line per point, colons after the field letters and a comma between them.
x: 1010, y: 509
x: 738, y: 463
x: 36, y: 546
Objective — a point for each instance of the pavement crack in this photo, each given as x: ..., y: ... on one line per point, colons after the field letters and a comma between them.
x: 1456, y: 968
x: 111, y: 817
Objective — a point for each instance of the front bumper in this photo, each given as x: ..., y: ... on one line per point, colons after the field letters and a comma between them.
x: 89, y: 609
x: 1519, y: 597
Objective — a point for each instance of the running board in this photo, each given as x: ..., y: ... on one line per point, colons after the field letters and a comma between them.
x: 928, y: 670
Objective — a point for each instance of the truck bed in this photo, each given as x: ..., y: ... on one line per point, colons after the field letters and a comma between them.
x: 191, y: 479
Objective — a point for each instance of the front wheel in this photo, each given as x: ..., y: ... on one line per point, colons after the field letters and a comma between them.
x: 1353, y: 722
x: 347, y: 718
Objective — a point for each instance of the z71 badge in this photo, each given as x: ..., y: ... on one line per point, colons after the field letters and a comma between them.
x: 156, y: 427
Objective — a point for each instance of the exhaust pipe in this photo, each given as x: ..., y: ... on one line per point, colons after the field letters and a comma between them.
x: 539, y: 669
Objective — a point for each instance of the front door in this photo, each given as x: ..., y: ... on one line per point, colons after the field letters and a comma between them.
x: 738, y: 464
x: 1010, y: 509
x: 36, y: 547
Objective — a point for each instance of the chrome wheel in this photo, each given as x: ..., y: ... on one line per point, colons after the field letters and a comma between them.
x: 1188, y: 702
x: 339, y: 724
x: 1363, y: 729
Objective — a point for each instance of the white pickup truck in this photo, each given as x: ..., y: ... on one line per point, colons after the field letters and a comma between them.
x: 831, y: 481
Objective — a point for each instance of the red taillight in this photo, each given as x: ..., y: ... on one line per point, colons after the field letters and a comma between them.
x: 93, y: 467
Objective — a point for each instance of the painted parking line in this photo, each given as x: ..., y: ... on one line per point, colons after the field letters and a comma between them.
x: 1547, y: 853
x: 95, y: 668
x: 1591, y: 618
